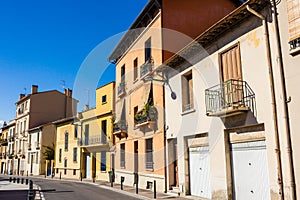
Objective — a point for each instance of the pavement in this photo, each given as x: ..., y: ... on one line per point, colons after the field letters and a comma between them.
x: 127, y: 190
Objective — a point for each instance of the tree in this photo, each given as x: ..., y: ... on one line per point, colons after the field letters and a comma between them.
x: 49, y: 152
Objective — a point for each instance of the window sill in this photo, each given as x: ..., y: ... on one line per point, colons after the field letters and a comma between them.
x: 104, y: 102
x: 150, y: 170
x: 188, y: 111
x: 295, y: 51
x: 136, y: 80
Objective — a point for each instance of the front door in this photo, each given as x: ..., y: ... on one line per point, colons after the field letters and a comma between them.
x: 31, y: 164
x: 136, y: 157
x: 250, y: 171
x: 88, y: 166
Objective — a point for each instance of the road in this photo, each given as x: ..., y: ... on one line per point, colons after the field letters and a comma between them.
x: 58, y: 190
x: 68, y: 190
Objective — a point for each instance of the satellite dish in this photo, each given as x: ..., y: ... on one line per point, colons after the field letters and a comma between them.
x: 173, y: 95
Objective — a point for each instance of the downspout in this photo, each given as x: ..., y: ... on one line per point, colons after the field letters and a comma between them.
x: 273, y: 101
x: 289, y: 150
x: 165, y: 141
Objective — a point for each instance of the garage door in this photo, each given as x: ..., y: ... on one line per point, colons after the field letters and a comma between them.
x: 250, y: 170
x: 200, y: 172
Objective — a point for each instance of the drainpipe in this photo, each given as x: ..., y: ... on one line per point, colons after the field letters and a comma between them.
x: 165, y: 141
x: 289, y: 151
x: 273, y: 101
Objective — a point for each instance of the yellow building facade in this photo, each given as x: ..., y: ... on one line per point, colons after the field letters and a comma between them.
x: 67, y: 151
x: 96, y: 135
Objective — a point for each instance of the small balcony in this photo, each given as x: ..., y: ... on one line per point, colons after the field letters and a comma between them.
x: 11, y: 139
x: 120, y: 129
x: 10, y: 155
x: 3, y: 142
x: 231, y: 98
x: 92, y: 141
x: 37, y: 145
x: 146, y: 117
x: 146, y: 68
x: 121, y: 88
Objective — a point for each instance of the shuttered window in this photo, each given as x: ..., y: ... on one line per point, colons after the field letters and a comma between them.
x: 293, y: 10
x: 231, y: 64
x: 149, y: 153
x: 122, y: 155
x: 187, y: 92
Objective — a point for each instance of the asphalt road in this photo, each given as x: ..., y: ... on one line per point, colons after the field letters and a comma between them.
x: 64, y: 190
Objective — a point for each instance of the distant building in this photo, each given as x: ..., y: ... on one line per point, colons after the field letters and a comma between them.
x: 34, y: 110
x: 67, y: 151
x: 95, y: 138
x: 40, y: 140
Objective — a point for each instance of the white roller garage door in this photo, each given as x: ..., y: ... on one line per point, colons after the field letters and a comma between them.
x: 250, y: 171
x: 200, y: 172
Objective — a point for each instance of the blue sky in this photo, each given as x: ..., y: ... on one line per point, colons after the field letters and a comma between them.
x: 45, y: 42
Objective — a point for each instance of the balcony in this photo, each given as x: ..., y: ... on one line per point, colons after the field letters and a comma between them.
x: 120, y: 129
x: 231, y: 98
x: 11, y: 139
x: 10, y: 155
x: 3, y: 142
x: 92, y: 141
x: 146, y: 117
x: 146, y: 68
x: 121, y: 88
x: 37, y: 145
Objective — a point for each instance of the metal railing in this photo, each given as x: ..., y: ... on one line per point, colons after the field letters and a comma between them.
x: 294, y: 43
x: 119, y: 126
x: 121, y: 88
x: 92, y: 140
x: 231, y: 94
x: 146, y: 68
x: 142, y: 119
x: 3, y: 142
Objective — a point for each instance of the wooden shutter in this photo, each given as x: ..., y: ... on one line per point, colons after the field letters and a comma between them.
x: 293, y: 10
x: 231, y: 64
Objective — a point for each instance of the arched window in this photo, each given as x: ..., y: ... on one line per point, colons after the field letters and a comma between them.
x: 66, y: 141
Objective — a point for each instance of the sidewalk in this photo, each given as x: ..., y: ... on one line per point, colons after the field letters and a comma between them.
x: 127, y: 190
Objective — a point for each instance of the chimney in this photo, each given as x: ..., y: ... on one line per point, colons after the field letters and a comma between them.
x: 69, y: 92
x: 21, y: 96
x: 34, y: 89
x: 66, y: 92
x: 85, y: 107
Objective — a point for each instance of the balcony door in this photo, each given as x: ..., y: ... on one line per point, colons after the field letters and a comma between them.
x: 231, y: 76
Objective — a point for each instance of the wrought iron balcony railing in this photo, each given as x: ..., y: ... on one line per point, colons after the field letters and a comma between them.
x: 121, y: 88
x: 294, y: 43
x: 146, y: 68
x: 229, y: 97
x: 3, y: 142
x: 92, y: 141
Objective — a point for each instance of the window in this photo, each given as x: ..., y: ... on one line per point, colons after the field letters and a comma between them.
x: 66, y: 141
x: 75, y: 154
x: 293, y: 10
x: 65, y: 171
x: 37, y: 158
x: 59, y: 156
x: 187, y: 92
x: 74, y: 172
x: 103, y: 161
x: 28, y: 158
x: 122, y: 155
x: 57, y: 170
x: 123, y: 73
x: 38, y: 137
x: 104, y: 131
x: 104, y: 99
x: 75, y: 131
x: 135, y: 69
x: 24, y: 125
x: 148, y: 50
x: 149, y: 153
x: 86, y: 134
x: 65, y: 162
x: 135, y: 110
